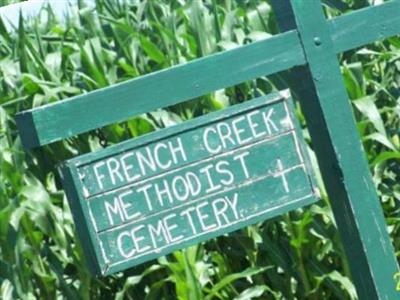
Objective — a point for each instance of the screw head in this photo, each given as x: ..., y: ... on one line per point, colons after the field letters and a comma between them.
x: 317, y: 41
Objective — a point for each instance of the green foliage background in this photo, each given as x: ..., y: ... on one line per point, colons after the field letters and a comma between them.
x: 295, y: 256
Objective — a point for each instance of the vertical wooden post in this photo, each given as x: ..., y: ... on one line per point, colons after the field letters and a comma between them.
x: 340, y: 153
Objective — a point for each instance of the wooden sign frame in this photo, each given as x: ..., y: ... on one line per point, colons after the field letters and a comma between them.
x: 277, y: 167
x: 308, y: 46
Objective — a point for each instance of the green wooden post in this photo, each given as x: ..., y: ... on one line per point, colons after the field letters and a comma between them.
x: 311, y: 43
x: 340, y: 153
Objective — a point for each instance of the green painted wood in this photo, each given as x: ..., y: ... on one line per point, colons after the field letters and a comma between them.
x: 44, y: 125
x: 160, y: 89
x: 365, y: 26
x: 345, y: 171
x: 188, y: 183
x: 329, y: 118
x: 352, y: 30
x: 85, y: 232
x: 255, y: 203
x: 126, y: 151
x: 338, y: 4
x: 145, y: 191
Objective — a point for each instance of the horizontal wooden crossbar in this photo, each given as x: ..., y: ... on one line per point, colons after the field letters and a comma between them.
x: 365, y: 26
x: 160, y: 89
x: 50, y: 123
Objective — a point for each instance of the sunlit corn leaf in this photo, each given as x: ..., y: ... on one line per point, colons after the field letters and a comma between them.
x: 48, y: 60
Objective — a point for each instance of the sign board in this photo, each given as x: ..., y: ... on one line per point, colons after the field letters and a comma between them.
x: 173, y: 188
x: 309, y: 41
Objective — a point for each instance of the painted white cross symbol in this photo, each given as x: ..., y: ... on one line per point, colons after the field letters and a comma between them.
x: 282, y: 173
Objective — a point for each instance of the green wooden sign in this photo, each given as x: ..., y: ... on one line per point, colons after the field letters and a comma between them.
x: 101, y: 186
x: 179, y: 186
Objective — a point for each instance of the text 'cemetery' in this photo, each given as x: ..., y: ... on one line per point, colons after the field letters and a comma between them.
x: 187, y: 185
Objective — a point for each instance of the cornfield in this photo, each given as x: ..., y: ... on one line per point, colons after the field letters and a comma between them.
x: 43, y: 60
